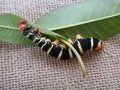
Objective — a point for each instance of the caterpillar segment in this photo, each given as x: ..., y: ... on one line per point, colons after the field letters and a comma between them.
x: 54, y: 48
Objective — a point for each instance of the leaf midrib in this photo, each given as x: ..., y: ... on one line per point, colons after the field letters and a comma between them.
x: 85, y: 22
x: 2, y: 26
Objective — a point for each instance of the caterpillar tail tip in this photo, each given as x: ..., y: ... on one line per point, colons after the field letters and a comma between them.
x: 100, y: 46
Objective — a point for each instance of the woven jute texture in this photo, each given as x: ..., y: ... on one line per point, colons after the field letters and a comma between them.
x: 29, y: 68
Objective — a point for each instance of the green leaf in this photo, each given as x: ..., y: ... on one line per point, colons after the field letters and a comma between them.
x: 9, y: 31
x: 93, y: 18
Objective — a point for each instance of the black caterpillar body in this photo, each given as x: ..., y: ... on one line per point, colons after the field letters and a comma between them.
x: 58, y: 51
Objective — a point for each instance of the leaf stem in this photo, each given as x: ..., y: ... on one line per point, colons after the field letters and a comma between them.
x: 77, y: 56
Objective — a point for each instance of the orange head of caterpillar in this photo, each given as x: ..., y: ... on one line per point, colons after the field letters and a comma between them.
x: 21, y: 24
x: 100, y: 45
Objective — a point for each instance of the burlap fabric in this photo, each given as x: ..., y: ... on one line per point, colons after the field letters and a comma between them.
x: 29, y: 68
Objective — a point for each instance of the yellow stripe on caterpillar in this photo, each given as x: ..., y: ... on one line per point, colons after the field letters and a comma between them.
x: 92, y: 43
x: 70, y: 53
x: 60, y: 54
x: 80, y: 47
x: 35, y: 39
x: 49, y: 50
x: 29, y: 34
x: 41, y: 40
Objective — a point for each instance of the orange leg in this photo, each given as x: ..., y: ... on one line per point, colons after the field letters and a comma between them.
x: 56, y: 42
x: 40, y: 34
x: 29, y: 26
x: 78, y: 36
x: 36, y: 29
x: 64, y: 46
x: 70, y: 40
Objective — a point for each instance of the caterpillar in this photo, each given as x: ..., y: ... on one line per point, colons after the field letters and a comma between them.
x: 54, y: 48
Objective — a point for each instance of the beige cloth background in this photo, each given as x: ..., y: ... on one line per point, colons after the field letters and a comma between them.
x: 29, y: 68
